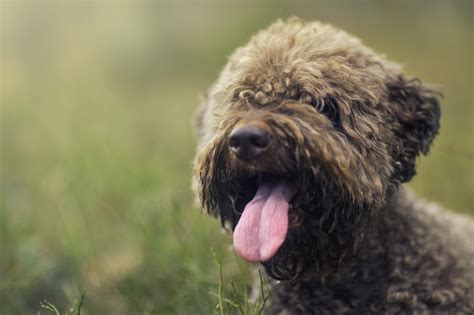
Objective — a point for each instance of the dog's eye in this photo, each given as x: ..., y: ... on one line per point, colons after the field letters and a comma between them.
x: 330, y: 109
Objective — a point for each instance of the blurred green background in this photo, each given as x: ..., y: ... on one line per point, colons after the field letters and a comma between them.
x: 97, y: 100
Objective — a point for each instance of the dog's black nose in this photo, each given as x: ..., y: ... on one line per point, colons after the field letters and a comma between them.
x: 248, y: 142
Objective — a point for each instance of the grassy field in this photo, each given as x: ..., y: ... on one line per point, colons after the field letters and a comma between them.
x: 97, y: 143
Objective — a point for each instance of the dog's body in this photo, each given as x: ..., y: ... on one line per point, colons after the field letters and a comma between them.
x: 416, y: 260
x: 305, y: 141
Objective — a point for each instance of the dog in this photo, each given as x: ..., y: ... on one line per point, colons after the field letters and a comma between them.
x: 305, y: 142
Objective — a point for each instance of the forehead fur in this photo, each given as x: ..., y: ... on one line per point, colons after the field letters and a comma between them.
x: 294, y: 59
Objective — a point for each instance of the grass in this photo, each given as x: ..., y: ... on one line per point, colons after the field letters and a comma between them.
x: 72, y: 310
x: 96, y: 211
x: 97, y: 145
x: 239, y: 300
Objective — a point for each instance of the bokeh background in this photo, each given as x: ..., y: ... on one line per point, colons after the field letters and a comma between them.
x: 97, y: 100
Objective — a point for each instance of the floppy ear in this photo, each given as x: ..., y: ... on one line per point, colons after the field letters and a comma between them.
x: 415, y: 112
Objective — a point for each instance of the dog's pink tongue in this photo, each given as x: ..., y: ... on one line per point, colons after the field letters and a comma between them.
x: 263, y: 225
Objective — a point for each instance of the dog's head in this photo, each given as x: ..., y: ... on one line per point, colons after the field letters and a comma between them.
x: 303, y: 138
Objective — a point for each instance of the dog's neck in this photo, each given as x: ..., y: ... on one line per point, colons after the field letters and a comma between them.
x: 385, y: 229
x: 387, y: 226
x: 398, y: 229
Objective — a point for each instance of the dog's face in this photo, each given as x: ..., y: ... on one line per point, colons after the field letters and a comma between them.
x: 302, y: 140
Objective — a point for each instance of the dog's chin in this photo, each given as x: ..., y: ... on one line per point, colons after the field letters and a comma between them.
x: 264, y: 205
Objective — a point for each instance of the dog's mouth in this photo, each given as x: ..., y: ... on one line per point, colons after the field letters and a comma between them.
x: 264, y: 203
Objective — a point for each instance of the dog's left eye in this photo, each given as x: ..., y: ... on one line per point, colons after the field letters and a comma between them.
x: 330, y: 109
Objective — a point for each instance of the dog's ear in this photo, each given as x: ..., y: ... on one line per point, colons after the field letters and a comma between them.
x: 415, y: 113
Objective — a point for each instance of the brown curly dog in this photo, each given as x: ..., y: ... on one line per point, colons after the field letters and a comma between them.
x: 305, y: 141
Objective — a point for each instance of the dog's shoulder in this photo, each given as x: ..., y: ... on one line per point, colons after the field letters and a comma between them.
x: 455, y: 229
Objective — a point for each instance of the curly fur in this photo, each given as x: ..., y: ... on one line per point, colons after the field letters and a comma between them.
x: 349, y: 126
